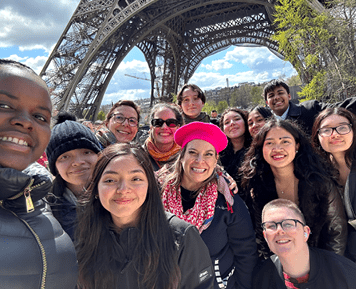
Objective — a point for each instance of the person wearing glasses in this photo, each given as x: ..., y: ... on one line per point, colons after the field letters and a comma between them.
x: 281, y: 163
x: 295, y: 264
x: 122, y: 122
x: 334, y: 135
x: 165, y: 119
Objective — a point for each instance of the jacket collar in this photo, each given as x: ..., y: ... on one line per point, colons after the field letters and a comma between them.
x: 294, y: 110
x: 13, y: 182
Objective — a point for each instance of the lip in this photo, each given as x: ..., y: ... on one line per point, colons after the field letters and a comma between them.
x: 336, y: 141
x: 123, y: 132
x: 283, y: 242
x: 79, y: 172
x: 278, y: 157
x: 123, y: 201
x: 199, y: 170
x: 20, y: 139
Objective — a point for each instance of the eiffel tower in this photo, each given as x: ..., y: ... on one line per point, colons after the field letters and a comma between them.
x: 174, y: 36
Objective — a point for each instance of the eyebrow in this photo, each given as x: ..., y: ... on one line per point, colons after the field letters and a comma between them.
x: 9, y: 95
x: 270, y: 138
x: 130, y: 172
x: 340, y: 123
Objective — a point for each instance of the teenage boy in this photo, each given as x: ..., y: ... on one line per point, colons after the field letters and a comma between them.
x: 277, y: 97
x: 191, y: 99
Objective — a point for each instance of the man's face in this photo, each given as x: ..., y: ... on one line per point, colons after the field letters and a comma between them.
x: 278, y: 100
x: 214, y: 114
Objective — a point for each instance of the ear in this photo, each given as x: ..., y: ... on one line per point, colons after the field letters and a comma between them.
x: 297, y: 146
x: 264, y: 236
x: 306, y: 233
x: 289, y: 96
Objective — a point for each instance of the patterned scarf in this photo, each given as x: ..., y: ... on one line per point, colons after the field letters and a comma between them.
x: 159, y: 156
x: 201, y: 214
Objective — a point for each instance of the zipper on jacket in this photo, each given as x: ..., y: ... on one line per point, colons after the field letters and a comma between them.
x: 40, y: 245
x: 27, y: 193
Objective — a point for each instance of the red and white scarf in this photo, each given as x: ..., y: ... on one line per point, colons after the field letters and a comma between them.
x: 201, y: 214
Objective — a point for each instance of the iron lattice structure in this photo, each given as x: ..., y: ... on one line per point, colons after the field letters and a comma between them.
x: 174, y: 36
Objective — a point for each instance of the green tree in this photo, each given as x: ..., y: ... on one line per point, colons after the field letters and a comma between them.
x: 222, y: 105
x: 209, y: 106
x: 320, y: 44
x: 101, y: 115
x: 256, y: 96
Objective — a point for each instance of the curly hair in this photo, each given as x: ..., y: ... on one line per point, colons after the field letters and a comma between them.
x: 155, y: 257
x: 314, y: 173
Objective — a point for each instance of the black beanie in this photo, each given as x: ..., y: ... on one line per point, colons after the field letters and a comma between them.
x: 67, y: 136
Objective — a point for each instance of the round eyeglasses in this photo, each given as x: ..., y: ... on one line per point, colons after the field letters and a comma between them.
x: 158, y: 122
x: 287, y: 225
x: 341, y: 130
x: 121, y: 119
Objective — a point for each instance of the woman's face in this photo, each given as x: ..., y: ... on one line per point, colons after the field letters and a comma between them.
x: 25, y: 116
x: 279, y: 148
x: 234, y: 125
x: 75, y: 167
x: 123, y: 132
x: 198, y: 163
x: 255, y: 122
x: 335, y: 143
x: 164, y: 135
x: 122, y: 192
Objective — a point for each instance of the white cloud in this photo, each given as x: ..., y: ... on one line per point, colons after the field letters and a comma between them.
x: 33, y: 24
x: 218, y: 65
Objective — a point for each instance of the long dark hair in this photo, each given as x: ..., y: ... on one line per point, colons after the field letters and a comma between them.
x: 155, y: 257
x: 317, y: 178
x: 350, y: 153
x: 244, y: 115
x: 306, y: 162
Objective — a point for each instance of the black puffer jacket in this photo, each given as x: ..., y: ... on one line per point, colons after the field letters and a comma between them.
x: 35, y: 252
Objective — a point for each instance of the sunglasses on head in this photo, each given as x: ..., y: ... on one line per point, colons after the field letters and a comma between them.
x: 158, y: 122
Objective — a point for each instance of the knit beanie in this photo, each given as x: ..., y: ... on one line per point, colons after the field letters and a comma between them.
x: 67, y: 136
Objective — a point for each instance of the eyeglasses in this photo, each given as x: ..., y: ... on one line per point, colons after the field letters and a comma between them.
x: 121, y: 119
x: 341, y: 130
x: 287, y: 225
x: 158, y: 122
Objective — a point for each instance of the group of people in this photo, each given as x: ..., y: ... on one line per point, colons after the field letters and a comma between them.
x: 198, y: 205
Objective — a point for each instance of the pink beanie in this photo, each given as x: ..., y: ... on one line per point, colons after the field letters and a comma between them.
x: 201, y: 130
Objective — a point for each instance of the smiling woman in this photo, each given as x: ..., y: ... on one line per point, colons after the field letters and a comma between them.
x: 72, y: 154
x: 35, y: 251
x: 126, y: 240
x: 281, y: 163
x: 334, y: 134
x: 165, y: 119
x: 233, y: 123
x: 196, y: 192
x: 122, y: 122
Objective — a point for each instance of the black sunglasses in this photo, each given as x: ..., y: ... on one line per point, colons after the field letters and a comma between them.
x: 158, y: 122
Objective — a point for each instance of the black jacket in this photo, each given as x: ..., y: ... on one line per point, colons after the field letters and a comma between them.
x: 327, y: 271
x: 324, y: 214
x: 305, y: 113
x: 350, y: 206
x: 35, y: 252
x: 193, y: 256
x: 231, y: 242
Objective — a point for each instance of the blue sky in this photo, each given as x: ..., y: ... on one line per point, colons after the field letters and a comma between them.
x: 28, y: 38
